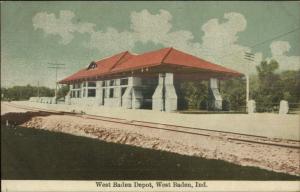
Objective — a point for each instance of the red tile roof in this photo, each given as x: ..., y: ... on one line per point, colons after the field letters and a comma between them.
x: 126, y: 61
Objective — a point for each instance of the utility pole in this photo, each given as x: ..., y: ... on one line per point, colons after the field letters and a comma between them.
x: 250, y: 58
x: 56, y: 66
x: 38, y: 89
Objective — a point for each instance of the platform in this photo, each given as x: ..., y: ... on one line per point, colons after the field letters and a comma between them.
x: 260, y: 124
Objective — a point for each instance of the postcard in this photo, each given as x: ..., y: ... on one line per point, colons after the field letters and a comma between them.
x: 150, y: 96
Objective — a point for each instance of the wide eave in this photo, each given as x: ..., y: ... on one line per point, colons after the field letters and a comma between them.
x: 163, y: 59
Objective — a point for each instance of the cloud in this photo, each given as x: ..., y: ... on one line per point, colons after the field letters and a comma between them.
x: 62, y: 26
x: 111, y: 41
x: 279, y: 49
x: 219, y: 42
x: 220, y: 35
x: 147, y: 27
x: 157, y: 28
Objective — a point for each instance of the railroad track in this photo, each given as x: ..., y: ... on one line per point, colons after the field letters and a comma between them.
x: 230, y: 136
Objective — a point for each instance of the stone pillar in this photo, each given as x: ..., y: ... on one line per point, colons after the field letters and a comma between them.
x: 157, y: 97
x: 137, y: 98
x: 127, y: 98
x: 165, y: 97
x: 68, y: 97
x: 251, y: 106
x: 83, y: 89
x: 170, y: 93
x: 284, y: 107
x: 106, y: 89
x: 53, y: 100
x: 117, y: 92
x: 133, y: 97
x: 215, y: 98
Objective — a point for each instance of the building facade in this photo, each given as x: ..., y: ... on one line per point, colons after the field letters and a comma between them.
x: 145, y: 81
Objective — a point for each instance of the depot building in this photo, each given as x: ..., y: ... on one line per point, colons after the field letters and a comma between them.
x: 144, y: 81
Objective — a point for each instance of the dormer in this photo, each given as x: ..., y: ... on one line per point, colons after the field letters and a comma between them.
x: 92, y: 65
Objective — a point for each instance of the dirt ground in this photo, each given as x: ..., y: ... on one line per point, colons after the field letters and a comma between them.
x: 279, y: 159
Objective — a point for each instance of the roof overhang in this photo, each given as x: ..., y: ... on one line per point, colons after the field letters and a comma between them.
x: 149, y: 64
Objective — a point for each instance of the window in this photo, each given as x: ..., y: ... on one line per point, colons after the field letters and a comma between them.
x: 103, y: 83
x: 111, y: 82
x: 91, y: 92
x: 123, y: 89
x: 84, y: 84
x: 92, y: 65
x: 76, y: 86
x: 111, y: 92
x: 124, y: 81
x: 75, y: 94
x: 91, y: 84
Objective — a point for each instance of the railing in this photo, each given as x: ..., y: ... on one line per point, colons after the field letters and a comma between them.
x: 270, y: 108
x: 49, y: 100
x: 294, y: 108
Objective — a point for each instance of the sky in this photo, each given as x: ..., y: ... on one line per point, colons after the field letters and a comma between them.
x: 34, y: 34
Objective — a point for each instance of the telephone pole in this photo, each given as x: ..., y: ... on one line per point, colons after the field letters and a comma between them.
x: 250, y: 58
x: 56, y: 66
x: 38, y: 89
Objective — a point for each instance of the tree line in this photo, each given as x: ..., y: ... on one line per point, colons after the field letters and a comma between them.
x: 19, y: 93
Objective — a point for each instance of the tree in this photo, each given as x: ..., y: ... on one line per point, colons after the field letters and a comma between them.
x: 25, y: 92
x: 191, y: 94
x: 291, y: 85
x: 270, y: 90
x: 233, y: 92
x: 63, y: 91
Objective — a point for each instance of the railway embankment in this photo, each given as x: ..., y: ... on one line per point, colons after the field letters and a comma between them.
x: 280, y: 155
x: 269, y: 125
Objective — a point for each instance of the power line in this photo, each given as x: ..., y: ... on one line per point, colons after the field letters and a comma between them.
x: 263, y: 42
x: 56, y: 63
x: 249, y: 56
x: 38, y: 89
x: 278, y: 36
x: 56, y: 66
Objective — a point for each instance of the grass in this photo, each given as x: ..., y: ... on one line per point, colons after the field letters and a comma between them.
x: 37, y: 154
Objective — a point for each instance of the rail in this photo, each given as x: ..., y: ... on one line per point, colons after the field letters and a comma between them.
x: 230, y: 136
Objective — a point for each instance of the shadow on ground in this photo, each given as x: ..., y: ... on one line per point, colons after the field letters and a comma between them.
x: 37, y: 154
x: 20, y: 118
